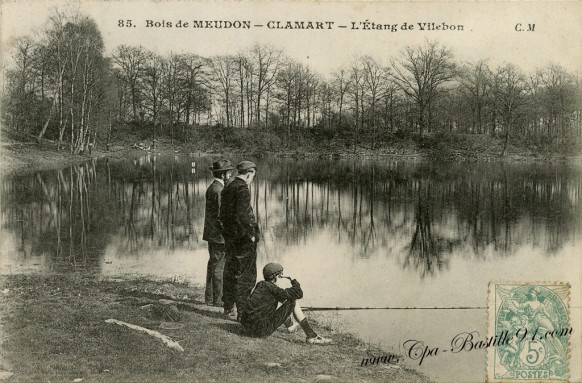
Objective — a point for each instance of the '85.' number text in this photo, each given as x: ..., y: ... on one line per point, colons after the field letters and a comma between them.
x: 125, y: 24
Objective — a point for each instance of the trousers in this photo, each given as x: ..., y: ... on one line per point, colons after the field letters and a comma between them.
x: 263, y: 327
x: 214, y: 273
x: 240, y: 274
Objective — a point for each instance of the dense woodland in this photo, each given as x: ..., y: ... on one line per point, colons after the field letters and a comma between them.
x: 61, y: 86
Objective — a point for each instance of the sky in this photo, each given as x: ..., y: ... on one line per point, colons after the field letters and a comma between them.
x: 489, y: 28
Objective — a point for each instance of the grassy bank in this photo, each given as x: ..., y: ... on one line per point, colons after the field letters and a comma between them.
x: 347, y: 143
x: 54, y: 330
x: 18, y: 151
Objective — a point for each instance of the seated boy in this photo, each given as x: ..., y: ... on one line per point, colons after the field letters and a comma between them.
x: 262, y: 317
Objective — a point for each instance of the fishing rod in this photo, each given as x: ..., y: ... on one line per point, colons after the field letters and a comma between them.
x: 391, y: 308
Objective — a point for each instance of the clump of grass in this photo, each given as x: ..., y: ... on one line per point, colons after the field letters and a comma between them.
x: 180, y: 280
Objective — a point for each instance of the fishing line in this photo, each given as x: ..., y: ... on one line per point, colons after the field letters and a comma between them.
x: 390, y: 308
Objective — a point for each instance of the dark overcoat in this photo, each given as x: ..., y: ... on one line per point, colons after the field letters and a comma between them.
x: 236, y: 213
x: 212, y: 226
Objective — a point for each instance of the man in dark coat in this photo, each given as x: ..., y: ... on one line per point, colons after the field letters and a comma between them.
x: 241, y: 234
x: 221, y: 170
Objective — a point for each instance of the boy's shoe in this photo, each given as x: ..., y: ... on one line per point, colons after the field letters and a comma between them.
x: 319, y: 340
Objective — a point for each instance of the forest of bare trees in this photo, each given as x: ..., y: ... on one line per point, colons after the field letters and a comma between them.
x: 61, y: 86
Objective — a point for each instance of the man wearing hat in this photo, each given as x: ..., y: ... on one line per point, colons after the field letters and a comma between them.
x: 241, y: 234
x: 221, y: 170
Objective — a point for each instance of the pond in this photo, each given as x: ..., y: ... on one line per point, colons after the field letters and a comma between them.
x: 422, y: 238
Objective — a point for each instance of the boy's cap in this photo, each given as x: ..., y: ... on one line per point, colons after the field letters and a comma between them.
x: 271, y: 269
x: 246, y: 165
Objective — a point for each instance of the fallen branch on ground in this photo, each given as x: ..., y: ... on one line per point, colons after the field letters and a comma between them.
x: 169, y: 342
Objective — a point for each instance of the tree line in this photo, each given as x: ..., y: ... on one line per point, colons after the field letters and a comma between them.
x: 60, y: 85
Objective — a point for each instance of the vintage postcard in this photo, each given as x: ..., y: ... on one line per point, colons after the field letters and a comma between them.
x: 298, y: 191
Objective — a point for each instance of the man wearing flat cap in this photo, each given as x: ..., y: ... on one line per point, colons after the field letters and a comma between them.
x: 221, y: 170
x: 241, y: 234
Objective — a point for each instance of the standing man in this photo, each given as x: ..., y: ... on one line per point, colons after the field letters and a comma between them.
x: 221, y: 170
x: 241, y: 234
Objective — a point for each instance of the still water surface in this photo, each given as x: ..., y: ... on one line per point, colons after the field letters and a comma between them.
x: 355, y: 233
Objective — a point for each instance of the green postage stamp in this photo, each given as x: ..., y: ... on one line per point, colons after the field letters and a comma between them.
x: 531, y: 324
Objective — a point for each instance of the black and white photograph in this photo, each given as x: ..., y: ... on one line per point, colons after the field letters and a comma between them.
x: 290, y: 191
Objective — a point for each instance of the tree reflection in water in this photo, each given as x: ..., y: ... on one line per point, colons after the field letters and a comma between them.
x: 425, y: 252
x: 420, y: 213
